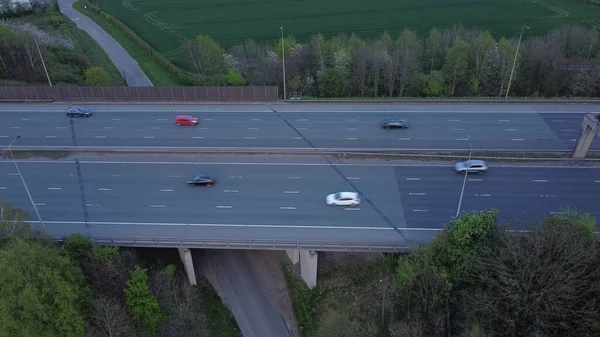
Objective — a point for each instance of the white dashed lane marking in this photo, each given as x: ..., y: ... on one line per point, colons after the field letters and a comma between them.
x: 352, y: 129
x: 353, y: 178
x: 224, y: 207
x: 352, y: 138
x: 198, y: 137
x: 474, y: 179
x: 454, y: 120
x: 99, y: 136
x: 12, y: 174
x: 154, y: 128
x: 158, y: 206
x: 510, y: 129
x: 230, y: 191
x: 403, y: 138
x: 303, y: 120
x: 420, y: 210
x: 51, y: 136
x: 462, y: 139
x: 116, y: 119
x: 61, y: 127
x: 15, y: 127
x: 40, y: 204
x: 109, y: 127
x: 540, y: 181
x: 3, y: 136
x: 55, y: 188
x: 414, y: 179
x: 165, y: 190
x: 208, y: 119
x: 252, y: 128
x: 255, y: 119
x: 25, y: 119
x: 173, y: 176
x: 416, y: 193
x: 287, y: 207
x: 161, y: 119
x: 351, y: 120
x: 483, y: 195
x: 518, y: 139
x: 249, y: 137
x: 351, y: 209
x: 291, y: 192
x: 105, y: 189
x: 293, y: 177
x: 504, y: 120
x: 148, y: 137
x: 2, y: 188
x: 458, y: 129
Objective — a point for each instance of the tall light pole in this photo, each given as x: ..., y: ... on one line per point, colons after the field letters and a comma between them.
x: 515, y: 60
x: 462, y: 192
x: 24, y: 184
x: 283, y: 58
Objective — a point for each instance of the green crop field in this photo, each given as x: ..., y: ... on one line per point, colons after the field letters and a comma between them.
x: 167, y: 24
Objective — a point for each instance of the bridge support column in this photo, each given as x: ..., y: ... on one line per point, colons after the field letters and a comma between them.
x: 188, y: 264
x: 308, y: 267
x: 294, y: 255
x: 589, y: 128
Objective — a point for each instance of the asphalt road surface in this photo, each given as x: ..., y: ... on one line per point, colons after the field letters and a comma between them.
x: 493, y: 127
x: 285, y: 201
x: 133, y: 74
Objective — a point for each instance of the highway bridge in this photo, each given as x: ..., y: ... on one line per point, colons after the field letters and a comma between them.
x: 263, y: 203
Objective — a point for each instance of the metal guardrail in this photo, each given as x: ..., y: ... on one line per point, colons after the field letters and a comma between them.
x: 324, y: 151
x: 246, y: 244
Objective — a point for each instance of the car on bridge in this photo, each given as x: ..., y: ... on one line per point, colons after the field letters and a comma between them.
x: 186, y: 120
x: 202, y: 179
x: 77, y: 111
x: 343, y: 199
x: 471, y: 166
x: 395, y: 124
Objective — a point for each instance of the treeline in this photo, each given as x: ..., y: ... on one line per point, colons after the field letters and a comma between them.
x: 81, y: 289
x: 453, y: 62
x: 31, y: 38
x: 474, y: 280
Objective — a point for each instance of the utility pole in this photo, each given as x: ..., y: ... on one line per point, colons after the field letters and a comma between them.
x: 515, y: 60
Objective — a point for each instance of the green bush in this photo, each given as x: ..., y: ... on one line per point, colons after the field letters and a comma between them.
x: 78, y: 246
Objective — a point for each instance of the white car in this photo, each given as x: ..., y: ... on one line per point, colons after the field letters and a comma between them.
x: 471, y: 166
x: 343, y: 199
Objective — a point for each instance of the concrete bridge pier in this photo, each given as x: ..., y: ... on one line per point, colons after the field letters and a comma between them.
x: 188, y: 264
x: 308, y: 265
x: 589, y: 128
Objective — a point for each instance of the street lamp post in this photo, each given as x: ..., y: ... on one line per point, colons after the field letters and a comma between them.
x: 462, y: 192
x: 515, y: 60
x: 24, y: 184
x: 283, y: 58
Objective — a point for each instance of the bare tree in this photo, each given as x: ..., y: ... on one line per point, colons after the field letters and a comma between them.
x: 409, y: 50
x: 110, y: 318
x: 377, y: 58
x: 544, y: 282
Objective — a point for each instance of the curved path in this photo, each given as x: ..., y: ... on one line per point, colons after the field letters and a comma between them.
x: 134, y: 76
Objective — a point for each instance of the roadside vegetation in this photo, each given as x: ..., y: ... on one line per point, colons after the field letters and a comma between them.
x: 69, y: 54
x: 77, y: 289
x: 474, y: 280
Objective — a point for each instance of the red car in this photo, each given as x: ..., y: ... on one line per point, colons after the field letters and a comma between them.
x: 186, y: 120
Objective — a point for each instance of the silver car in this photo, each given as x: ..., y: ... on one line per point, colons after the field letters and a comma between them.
x: 471, y: 166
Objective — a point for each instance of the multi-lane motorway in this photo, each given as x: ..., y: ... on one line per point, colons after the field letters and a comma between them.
x: 434, y: 126
x: 284, y: 201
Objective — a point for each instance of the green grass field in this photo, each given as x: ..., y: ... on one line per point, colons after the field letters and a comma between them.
x: 166, y: 24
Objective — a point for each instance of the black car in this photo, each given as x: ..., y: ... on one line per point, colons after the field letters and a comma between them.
x: 395, y: 124
x: 201, y: 179
x: 77, y: 111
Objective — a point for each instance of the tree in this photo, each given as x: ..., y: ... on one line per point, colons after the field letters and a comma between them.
x: 480, y: 57
x: 409, y: 55
x: 142, y: 303
x: 331, y: 82
x: 109, y: 318
x: 318, y: 46
x: 456, y: 65
x: 338, y: 324
x: 78, y: 247
x: 542, y: 283
x: 13, y: 222
x: 234, y: 78
x: 97, y: 76
x: 507, y: 52
x: 434, y: 50
x: 360, y: 57
x: 41, y: 292
x: 378, y: 57
x: 207, y: 56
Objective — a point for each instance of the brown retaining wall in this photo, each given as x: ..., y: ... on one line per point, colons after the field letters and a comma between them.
x: 137, y: 94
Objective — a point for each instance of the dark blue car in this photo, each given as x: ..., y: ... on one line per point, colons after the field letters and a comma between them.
x: 77, y: 111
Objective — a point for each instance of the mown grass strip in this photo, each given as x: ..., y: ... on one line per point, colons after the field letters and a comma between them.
x: 219, y: 320
x: 157, y: 74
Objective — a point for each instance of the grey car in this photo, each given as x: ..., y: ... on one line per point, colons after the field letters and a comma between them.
x: 77, y: 111
x: 471, y: 166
